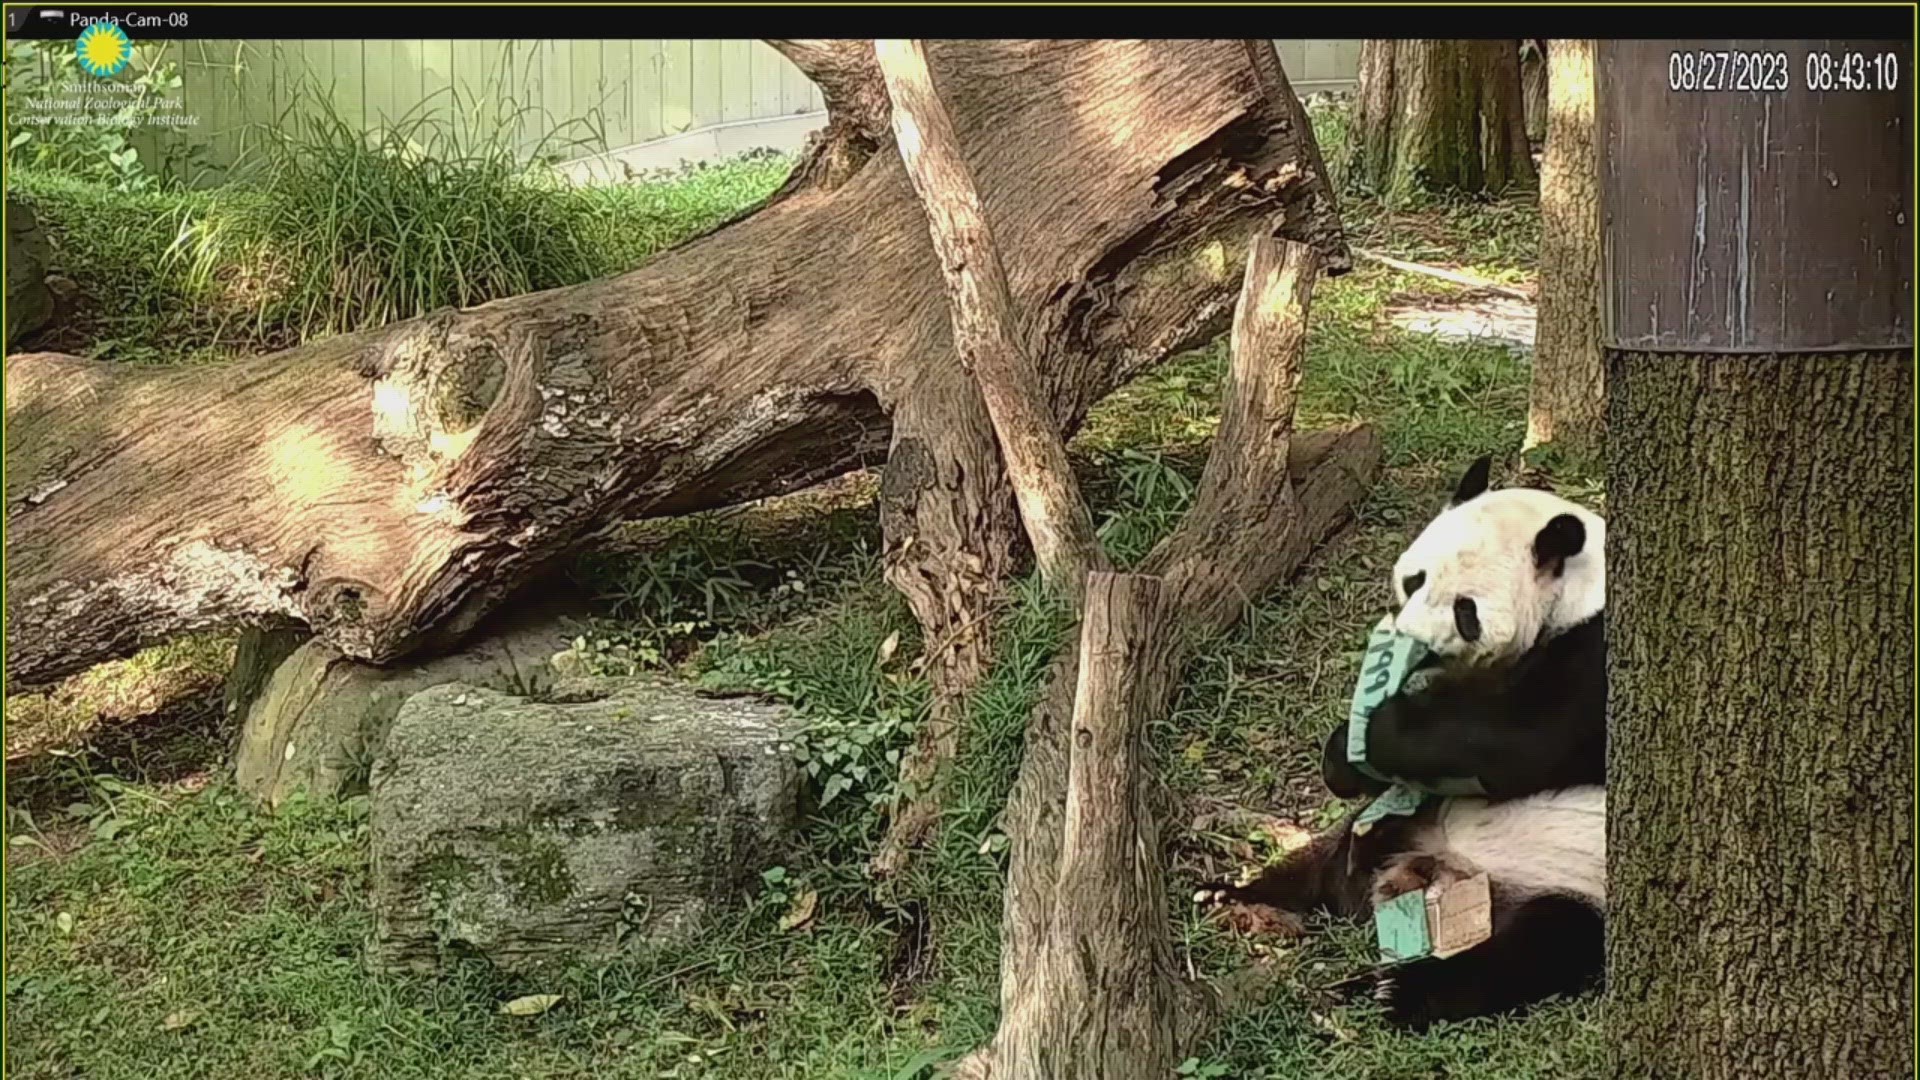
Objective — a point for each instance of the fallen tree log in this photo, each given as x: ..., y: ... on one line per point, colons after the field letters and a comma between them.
x: 386, y: 488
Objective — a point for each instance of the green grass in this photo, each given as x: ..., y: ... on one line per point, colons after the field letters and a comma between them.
x: 194, y: 935
x: 162, y: 928
x: 328, y: 232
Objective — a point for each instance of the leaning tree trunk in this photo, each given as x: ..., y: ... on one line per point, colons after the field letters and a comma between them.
x: 387, y: 487
x: 1568, y: 402
x: 1760, y: 460
x: 1442, y: 115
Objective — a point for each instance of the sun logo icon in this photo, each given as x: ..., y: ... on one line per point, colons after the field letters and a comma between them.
x: 104, y: 50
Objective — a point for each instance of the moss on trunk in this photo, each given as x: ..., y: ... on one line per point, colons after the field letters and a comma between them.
x: 1440, y: 115
x: 1761, y: 873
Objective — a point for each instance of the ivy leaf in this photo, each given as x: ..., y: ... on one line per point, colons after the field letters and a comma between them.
x: 836, y: 784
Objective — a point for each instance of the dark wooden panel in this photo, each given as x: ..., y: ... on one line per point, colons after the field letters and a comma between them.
x: 1743, y: 221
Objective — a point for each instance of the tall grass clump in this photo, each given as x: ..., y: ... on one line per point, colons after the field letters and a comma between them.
x: 323, y: 227
x: 419, y: 215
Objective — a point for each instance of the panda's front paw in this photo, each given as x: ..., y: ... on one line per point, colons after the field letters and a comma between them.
x: 1234, y: 908
x: 1341, y: 778
x: 1413, y: 871
x: 1402, y: 1002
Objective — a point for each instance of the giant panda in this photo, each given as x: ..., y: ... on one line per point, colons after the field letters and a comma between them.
x: 1507, y: 589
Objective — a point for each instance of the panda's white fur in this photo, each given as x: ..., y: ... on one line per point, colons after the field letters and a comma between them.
x: 1553, y: 842
x: 1483, y: 548
x: 1534, y: 581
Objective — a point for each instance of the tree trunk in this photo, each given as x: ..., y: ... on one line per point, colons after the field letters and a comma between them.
x: 995, y: 372
x: 1760, y: 459
x: 1103, y: 999
x: 1329, y: 473
x: 1440, y: 115
x: 1761, y: 833
x: 1568, y: 402
x: 1533, y: 87
x: 1087, y: 987
x: 388, y: 487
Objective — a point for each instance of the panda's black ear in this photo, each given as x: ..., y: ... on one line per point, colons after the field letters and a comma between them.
x: 1557, y: 541
x: 1474, y: 482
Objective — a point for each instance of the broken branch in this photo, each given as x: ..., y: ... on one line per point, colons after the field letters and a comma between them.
x: 1225, y: 550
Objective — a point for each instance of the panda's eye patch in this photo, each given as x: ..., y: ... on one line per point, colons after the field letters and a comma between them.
x: 1412, y: 582
x: 1466, y: 618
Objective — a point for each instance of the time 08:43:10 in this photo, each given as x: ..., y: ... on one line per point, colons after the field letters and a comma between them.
x: 1853, y: 71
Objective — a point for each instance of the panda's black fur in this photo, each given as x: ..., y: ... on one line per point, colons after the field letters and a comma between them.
x: 1528, y: 722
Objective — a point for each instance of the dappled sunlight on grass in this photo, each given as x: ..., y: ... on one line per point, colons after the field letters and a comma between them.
x: 120, y: 690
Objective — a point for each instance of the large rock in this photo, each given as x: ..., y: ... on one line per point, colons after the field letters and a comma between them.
x: 316, y: 723
x: 613, y: 811
x: 29, y: 301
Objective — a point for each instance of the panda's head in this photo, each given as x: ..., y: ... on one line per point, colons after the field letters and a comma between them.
x: 1500, y: 571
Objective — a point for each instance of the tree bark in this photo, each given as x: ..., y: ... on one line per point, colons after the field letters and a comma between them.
x: 1440, y: 115
x: 981, y: 308
x: 1760, y: 459
x: 1246, y: 489
x: 849, y: 82
x: 1103, y: 998
x: 1761, y: 665
x: 1000, y: 376
x: 1290, y: 497
x: 388, y: 487
x: 1567, y: 406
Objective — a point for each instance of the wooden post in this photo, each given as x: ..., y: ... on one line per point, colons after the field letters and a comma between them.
x: 1758, y: 249
x: 1783, y: 225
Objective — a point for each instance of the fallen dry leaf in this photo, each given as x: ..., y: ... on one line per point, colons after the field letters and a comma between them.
x: 801, y: 913
x: 530, y: 1005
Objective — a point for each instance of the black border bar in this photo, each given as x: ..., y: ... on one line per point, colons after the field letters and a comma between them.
x: 621, y: 21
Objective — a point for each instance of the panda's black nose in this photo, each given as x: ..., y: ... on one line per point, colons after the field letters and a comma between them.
x: 1466, y: 618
